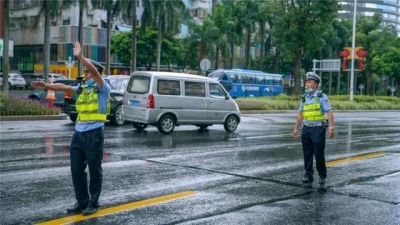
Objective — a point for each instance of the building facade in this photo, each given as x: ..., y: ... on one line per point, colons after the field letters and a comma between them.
x: 390, y: 10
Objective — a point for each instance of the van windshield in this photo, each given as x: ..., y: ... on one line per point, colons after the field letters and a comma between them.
x: 138, y: 84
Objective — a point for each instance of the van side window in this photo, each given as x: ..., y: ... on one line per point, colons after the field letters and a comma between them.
x: 168, y: 87
x: 195, y: 89
x: 216, y: 91
x: 138, y: 84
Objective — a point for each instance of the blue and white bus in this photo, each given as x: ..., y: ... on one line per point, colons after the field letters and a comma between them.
x: 249, y: 83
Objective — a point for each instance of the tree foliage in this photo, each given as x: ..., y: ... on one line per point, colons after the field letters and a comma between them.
x: 301, y: 25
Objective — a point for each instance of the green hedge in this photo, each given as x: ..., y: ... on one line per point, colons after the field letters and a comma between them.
x: 338, y: 102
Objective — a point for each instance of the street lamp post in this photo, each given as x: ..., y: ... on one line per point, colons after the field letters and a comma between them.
x: 353, y: 45
x: 70, y: 65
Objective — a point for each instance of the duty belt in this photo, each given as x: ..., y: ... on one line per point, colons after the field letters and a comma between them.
x: 319, y: 124
x: 87, y: 121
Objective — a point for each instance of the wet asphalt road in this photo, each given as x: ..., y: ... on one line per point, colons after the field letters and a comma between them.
x: 252, y: 176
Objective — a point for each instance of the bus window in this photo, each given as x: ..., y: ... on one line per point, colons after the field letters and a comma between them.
x: 259, y: 79
x: 234, y: 78
x: 250, y: 78
x: 277, y: 81
x: 218, y: 75
x: 269, y: 80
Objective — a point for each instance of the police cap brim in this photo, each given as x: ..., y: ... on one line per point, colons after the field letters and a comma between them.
x: 98, y: 66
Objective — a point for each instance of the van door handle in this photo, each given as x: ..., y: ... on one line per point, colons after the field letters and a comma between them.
x: 211, y: 101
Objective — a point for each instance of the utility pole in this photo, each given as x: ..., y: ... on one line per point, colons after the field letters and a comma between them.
x: 353, y: 46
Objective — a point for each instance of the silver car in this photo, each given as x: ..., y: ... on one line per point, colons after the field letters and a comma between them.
x: 166, y: 100
x: 15, y: 80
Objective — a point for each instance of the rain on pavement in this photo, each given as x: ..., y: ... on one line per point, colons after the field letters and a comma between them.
x: 252, y: 176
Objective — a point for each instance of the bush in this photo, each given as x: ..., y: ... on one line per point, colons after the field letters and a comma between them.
x: 13, y: 106
x: 338, y: 102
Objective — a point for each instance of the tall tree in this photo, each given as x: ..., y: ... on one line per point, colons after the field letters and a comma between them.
x: 134, y: 37
x: 166, y: 15
x: 219, y: 22
x: 51, y: 10
x: 248, y: 13
x: 6, y: 58
x: 234, y: 27
x: 375, y: 39
x: 300, y: 25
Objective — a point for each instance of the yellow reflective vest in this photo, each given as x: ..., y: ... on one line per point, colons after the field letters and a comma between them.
x: 312, y: 111
x: 87, y: 106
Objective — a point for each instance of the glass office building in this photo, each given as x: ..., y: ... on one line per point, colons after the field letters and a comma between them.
x: 390, y: 10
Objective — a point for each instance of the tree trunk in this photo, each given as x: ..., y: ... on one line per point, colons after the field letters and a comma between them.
x: 296, y: 71
x: 248, y: 49
x: 159, y: 36
x: 369, y: 83
x: 276, y: 61
x: 108, y: 47
x: 80, y: 37
x: 46, y: 47
x: 338, y: 84
x: 330, y: 83
x: 233, y: 54
x: 217, y: 58
x: 262, y: 43
x: 6, y: 58
x: 134, y: 21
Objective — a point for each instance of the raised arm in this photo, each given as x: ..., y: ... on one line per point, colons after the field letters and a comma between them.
x: 55, y: 87
x: 92, y: 69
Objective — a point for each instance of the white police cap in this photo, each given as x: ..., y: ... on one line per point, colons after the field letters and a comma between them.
x: 98, y: 66
x: 313, y: 76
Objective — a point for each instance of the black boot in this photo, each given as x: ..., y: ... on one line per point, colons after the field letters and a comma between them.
x: 78, y: 207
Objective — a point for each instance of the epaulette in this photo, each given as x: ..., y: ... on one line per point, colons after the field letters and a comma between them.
x: 320, y: 94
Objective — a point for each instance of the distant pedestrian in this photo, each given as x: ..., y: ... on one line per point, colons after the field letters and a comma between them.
x: 313, y: 107
x: 86, y: 149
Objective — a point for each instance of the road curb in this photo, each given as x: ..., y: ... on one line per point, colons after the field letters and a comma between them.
x: 27, y: 118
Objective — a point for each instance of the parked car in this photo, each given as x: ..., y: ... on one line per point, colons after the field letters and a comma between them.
x: 29, y: 77
x: 118, y: 85
x: 53, y: 77
x: 166, y: 100
x: 40, y: 95
x: 15, y: 80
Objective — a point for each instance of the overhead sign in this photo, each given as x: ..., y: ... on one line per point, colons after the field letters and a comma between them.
x: 205, y: 64
x: 327, y: 65
x: 10, y: 48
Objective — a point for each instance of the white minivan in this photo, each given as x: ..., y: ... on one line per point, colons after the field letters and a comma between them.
x: 166, y: 100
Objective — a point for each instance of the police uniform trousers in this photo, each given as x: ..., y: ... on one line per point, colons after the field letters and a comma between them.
x: 87, y: 151
x: 313, y: 142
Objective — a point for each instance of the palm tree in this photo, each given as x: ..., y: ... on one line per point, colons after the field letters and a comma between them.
x: 167, y: 15
x: 202, y: 36
x: 134, y: 38
x: 234, y: 29
x: 51, y: 10
x: 248, y: 14
x: 6, y: 63
x: 219, y: 21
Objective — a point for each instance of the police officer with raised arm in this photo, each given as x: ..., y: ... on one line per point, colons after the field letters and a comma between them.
x: 86, y: 149
x: 313, y: 109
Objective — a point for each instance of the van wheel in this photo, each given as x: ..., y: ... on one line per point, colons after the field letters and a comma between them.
x: 117, y: 119
x: 166, y: 124
x: 139, y: 126
x: 231, y: 123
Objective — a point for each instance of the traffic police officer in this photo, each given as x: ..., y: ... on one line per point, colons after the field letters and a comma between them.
x: 311, y: 117
x: 86, y: 149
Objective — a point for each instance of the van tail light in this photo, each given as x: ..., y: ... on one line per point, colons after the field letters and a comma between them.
x: 150, y: 102
x: 67, y: 96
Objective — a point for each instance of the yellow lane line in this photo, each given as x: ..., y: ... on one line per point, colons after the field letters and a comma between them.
x: 366, y: 156
x: 120, y: 208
